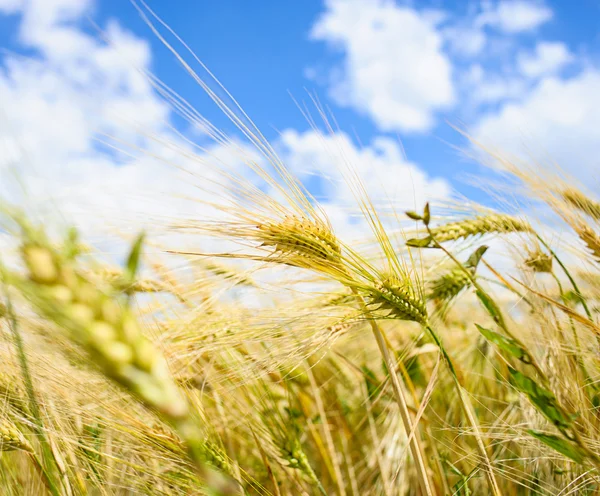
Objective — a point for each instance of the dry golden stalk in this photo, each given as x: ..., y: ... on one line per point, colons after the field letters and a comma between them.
x: 590, y: 278
x: 11, y: 437
x: 494, y: 223
x: 581, y: 202
x: 3, y: 310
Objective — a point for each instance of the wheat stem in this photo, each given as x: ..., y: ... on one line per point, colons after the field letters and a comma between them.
x: 415, y: 442
x: 33, y: 402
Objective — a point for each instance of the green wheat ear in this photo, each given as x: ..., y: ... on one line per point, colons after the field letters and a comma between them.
x: 445, y: 288
x: 302, y: 238
x: 11, y: 438
x: 494, y: 223
x: 101, y: 322
x: 397, y: 299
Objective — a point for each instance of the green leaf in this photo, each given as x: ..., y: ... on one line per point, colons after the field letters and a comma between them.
x: 371, y: 381
x: 559, y: 444
x: 474, y: 259
x: 461, y: 488
x: 413, y: 215
x: 544, y: 400
x: 133, y: 261
x: 71, y: 247
x: 426, y: 214
x: 489, y: 305
x: 415, y: 371
x: 419, y: 242
x: 506, y: 344
x: 572, y: 297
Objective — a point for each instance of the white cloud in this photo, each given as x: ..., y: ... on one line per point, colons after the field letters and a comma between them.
x: 10, y: 6
x: 557, y: 119
x: 466, y: 41
x: 482, y: 87
x: 496, y: 88
x: 387, y: 176
x: 394, y: 69
x: 548, y: 57
x: 514, y: 16
x: 55, y: 104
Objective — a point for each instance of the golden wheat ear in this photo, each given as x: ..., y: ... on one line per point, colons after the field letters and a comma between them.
x: 581, y: 202
x: 102, y: 323
x: 589, y: 236
x: 300, y: 241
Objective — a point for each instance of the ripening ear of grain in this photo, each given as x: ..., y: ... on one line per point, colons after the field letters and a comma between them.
x: 396, y: 299
x: 578, y: 200
x: 11, y: 438
x: 493, y: 223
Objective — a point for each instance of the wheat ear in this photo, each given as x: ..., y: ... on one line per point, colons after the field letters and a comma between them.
x: 494, y: 223
x: 581, y: 202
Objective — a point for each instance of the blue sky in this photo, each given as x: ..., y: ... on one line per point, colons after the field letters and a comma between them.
x: 512, y: 72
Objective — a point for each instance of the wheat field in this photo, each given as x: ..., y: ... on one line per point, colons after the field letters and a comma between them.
x: 452, y: 349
